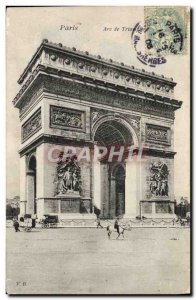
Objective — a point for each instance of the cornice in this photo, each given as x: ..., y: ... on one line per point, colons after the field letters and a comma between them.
x: 59, y: 48
x: 158, y: 152
x: 50, y: 57
x: 59, y: 140
x: 91, y: 90
x: 53, y: 139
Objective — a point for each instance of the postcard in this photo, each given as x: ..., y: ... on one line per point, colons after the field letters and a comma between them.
x: 98, y: 150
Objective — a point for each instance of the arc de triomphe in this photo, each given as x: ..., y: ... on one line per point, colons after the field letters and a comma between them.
x: 73, y: 104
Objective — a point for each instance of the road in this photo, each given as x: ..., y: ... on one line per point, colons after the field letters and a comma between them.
x: 85, y: 261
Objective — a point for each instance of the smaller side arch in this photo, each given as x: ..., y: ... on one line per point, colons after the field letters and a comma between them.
x: 31, y: 162
x: 31, y: 184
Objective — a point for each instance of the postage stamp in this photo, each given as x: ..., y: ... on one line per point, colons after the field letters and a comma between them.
x: 166, y: 30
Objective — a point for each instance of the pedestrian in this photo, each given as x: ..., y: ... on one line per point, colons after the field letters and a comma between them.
x: 16, y: 225
x: 116, y: 225
x: 188, y: 219
x: 99, y: 223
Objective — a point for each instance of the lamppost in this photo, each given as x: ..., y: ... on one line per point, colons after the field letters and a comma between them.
x: 141, y: 210
x: 17, y: 213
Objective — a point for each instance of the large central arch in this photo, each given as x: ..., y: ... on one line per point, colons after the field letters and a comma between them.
x: 110, y: 185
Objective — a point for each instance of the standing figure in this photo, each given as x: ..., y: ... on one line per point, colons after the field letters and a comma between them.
x: 16, y: 225
x: 116, y: 225
x: 75, y: 181
x: 163, y: 188
x: 153, y: 187
x: 61, y: 184
x: 99, y: 223
x: 68, y: 179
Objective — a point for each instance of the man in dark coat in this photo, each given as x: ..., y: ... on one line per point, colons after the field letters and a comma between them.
x: 116, y: 225
x: 16, y: 226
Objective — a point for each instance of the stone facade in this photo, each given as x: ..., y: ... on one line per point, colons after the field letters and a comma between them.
x: 73, y: 99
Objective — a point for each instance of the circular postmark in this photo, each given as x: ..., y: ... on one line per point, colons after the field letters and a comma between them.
x: 161, y: 34
x: 139, y: 43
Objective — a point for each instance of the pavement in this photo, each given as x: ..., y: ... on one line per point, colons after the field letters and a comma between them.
x: 85, y: 261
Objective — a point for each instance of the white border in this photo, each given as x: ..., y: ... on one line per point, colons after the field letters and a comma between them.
x: 3, y: 4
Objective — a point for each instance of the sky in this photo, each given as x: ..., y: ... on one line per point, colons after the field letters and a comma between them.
x: 27, y: 27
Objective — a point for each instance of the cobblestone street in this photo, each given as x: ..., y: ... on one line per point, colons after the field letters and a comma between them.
x: 84, y: 260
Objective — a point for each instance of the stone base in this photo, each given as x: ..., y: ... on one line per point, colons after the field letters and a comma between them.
x: 159, y: 216
x: 129, y: 217
x: 77, y: 216
x: 64, y: 205
x: 160, y: 198
x: 72, y: 195
x: 77, y: 220
x: 158, y: 208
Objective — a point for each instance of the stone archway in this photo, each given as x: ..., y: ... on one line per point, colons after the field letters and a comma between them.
x: 31, y: 185
x: 117, y: 190
x: 118, y: 122
x: 111, y: 191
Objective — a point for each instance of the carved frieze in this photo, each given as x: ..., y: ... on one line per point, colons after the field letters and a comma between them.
x: 66, y: 118
x: 157, y: 134
x: 95, y: 94
x: 33, y: 94
x: 112, y: 98
x: 32, y: 125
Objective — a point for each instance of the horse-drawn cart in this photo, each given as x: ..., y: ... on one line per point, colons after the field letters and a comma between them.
x: 49, y: 221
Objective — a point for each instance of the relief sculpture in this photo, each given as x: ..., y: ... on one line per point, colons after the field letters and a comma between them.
x: 32, y: 125
x: 63, y: 117
x: 68, y: 178
x: 159, y: 179
x: 157, y: 133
